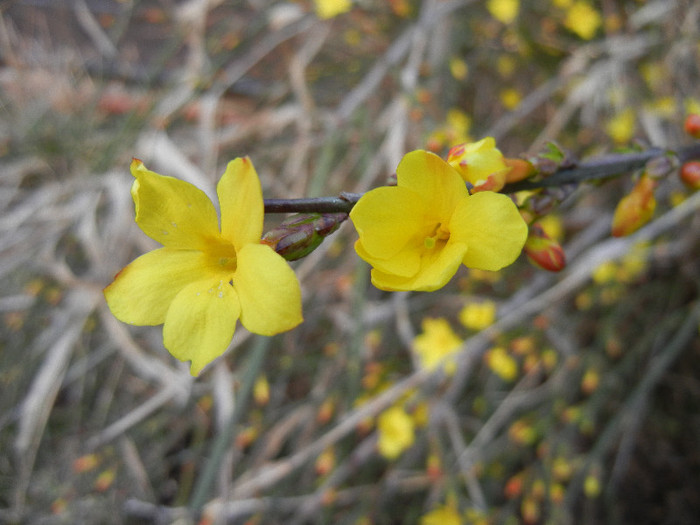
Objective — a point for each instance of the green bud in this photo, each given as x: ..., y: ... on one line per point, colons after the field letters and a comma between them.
x: 299, y: 235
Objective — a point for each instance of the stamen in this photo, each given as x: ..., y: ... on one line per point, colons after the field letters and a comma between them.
x: 439, y: 233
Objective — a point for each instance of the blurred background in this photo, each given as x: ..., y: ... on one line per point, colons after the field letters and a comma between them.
x: 573, y: 397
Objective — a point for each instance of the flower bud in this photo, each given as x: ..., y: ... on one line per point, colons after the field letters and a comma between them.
x: 480, y: 163
x: 301, y: 234
x: 635, y: 209
x: 325, y: 462
x: 690, y: 174
x: 261, y: 391
x: 520, y: 169
x: 692, y: 125
x: 543, y: 251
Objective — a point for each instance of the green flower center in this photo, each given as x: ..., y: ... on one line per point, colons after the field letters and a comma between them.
x: 439, y: 233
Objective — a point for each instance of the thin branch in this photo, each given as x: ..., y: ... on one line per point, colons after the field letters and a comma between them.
x: 598, y: 168
x: 341, y: 204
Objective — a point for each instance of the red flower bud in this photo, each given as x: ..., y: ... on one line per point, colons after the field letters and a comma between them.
x: 520, y: 169
x: 692, y: 125
x: 543, y: 251
x: 690, y: 174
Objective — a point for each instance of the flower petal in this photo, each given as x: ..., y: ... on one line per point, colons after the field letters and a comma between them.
x: 142, y: 292
x: 200, y: 322
x: 268, y: 290
x: 490, y: 224
x: 405, y: 263
x: 438, y: 266
x: 434, y: 180
x: 240, y: 198
x: 386, y: 219
x: 173, y: 212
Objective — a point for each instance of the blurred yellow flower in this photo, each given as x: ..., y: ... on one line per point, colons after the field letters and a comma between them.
x: 445, y: 515
x: 591, y: 486
x: 502, y: 364
x: 395, y: 428
x: 504, y: 10
x: 204, y: 278
x: 605, y: 272
x: 261, y: 390
x: 634, y: 263
x: 583, y: 19
x: 459, y: 70
x: 480, y: 163
x: 436, y: 343
x: 458, y: 122
x: 620, y: 128
x: 506, y: 65
x: 552, y: 226
x: 418, y: 233
x: 477, y: 316
x: 692, y: 105
x: 330, y: 8
x: 510, y: 97
x: 454, y: 130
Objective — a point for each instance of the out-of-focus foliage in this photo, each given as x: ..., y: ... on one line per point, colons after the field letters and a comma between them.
x: 573, y: 399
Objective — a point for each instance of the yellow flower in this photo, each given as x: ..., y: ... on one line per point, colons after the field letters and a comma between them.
x: 330, y: 8
x: 444, y: 515
x: 621, y: 127
x: 480, y: 163
x: 395, y: 429
x: 504, y: 10
x: 583, y: 20
x: 418, y: 233
x: 502, y: 364
x: 510, y: 97
x: 436, y: 343
x: 204, y: 278
x: 477, y: 316
x: 458, y: 68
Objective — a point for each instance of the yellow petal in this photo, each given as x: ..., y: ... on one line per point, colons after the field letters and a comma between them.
x: 438, y: 266
x: 173, y: 212
x: 200, y: 322
x: 268, y: 291
x: 434, y: 180
x: 405, y: 263
x: 240, y: 198
x: 142, y: 292
x: 388, y: 218
x: 491, y: 226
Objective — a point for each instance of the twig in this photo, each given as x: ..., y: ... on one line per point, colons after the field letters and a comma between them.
x: 598, y: 168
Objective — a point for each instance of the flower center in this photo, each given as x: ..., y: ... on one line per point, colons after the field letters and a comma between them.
x: 222, y: 256
x: 439, y: 233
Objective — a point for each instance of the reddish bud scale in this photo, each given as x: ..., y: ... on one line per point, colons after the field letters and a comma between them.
x: 692, y: 125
